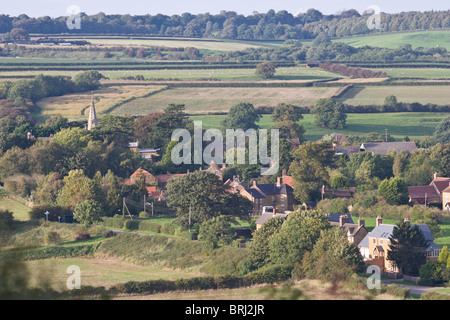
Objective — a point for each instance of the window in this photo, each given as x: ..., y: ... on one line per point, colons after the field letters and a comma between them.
x: 381, y: 242
x: 282, y: 198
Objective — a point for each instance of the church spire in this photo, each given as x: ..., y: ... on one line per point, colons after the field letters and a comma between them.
x: 92, y: 121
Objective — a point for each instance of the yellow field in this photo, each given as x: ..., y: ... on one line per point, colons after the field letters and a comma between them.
x: 104, y: 98
x: 210, y: 99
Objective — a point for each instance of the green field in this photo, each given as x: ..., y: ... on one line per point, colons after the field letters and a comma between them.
x: 19, y: 210
x: 375, y: 95
x: 429, y: 39
x: 426, y: 73
x: 96, y: 272
x: 414, y: 125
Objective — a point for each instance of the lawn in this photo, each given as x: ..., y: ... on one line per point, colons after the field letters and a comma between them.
x: 428, y: 39
x: 414, y: 125
x: 375, y: 95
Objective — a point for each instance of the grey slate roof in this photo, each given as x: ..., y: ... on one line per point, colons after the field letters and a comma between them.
x: 334, y: 217
x: 384, y: 231
x: 386, y: 147
x: 266, y: 216
x: 254, y: 193
x: 272, y: 188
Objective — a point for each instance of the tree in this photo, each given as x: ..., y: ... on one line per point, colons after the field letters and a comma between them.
x: 78, y: 188
x: 394, y: 191
x: 297, y: 236
x: 198, y: 197
x: 442, y: 132
x: 407, y: 248
x: 309, y: 169
x: 88, y: 80
x: 390, y: 102
x: 212, y: 230
x: 266, y: 69
x: 258, y: 253
x: 88, y: 212
x: 287, y: 112
x: 241, y: 116
x: 329, y: 114
x: 333, y: 257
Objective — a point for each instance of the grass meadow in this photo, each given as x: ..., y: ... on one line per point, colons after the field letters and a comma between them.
x: 375, y: 95
x: 414, y: 125
x: 427, y: 39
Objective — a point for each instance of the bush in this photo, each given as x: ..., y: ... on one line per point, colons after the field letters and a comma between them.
x: 270, y: 274
x: 116, y: 222
x: 149, y: 226
x: 6, y: 219
x: 82, y: 235
x: 52, y: 237
x: 168, y: 229
x: 143, y: 214
x: 131, y: 224
x: 430, y: 295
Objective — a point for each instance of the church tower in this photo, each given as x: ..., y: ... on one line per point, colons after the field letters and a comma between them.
x: 92, y: 121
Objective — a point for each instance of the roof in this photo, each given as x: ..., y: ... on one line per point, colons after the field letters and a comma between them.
x: 266, y: 216
x: 342, y: 193
x: 386, y: 147
x: 420, y: 192
x: 139, y: 172
x: 348, y: 149
x: 255, y: 193
x: 441, y: 184
x: 334, y: 217
x: 384, y: 231
x: 273, y: 188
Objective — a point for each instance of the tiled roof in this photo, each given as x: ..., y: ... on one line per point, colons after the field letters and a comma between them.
x: 420, y: 191
x: 441, y: 184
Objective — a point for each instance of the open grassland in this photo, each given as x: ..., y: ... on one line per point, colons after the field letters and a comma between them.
x: 375, y: 95
x: 209, y: 99
x: 425, y: 73
x: 19, y: 210
x: 105, y: 99
x: 429, y: 39
x: 414, y: 125
x: 238, y: 74
x: 96, y: 272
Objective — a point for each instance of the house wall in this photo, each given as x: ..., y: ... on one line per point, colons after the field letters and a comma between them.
x: 445, y: 200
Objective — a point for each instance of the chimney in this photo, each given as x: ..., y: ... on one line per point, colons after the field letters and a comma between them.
x: 343, y: 219
x: 254, y: 183
x: 435, y: 176
x: 283, y: 173
x: 278, y: 181
x: 361, y: 223
x: 379, y: 221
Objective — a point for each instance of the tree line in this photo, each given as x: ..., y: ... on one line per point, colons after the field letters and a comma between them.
x: 272, y: 25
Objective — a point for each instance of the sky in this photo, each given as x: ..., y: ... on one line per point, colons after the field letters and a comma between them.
x: 57, y: 8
